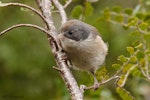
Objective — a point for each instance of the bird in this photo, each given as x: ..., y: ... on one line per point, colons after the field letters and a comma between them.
x: 84, y: 46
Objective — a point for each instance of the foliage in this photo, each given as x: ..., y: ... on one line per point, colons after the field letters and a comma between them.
x: 25, y: 57
x: 137, y: 63
x: 80, y: 11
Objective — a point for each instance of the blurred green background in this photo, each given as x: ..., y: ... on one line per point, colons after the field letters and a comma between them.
x: 26, y: 61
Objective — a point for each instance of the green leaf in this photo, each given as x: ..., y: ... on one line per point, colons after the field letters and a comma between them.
x: 133, y: 59
x: 125, y: 26
x: 147, y: 37
x: 77, y: 11
x: 124, y: 94
x: 140, y: 55
x: 140, y: 15
x: 137, y: 44
x: 132, y: 21
x: 136, y: 72
x: 130, y: 50
x: 107, y: 15
x: 121, y: 81
x: 135, y: 35
x: 117, y: 9
x: 116, y: 66
x: 127, y: 68
x: 147, y: 17
x: 128, y: 11
x: 143, y: 26
x: 142, y: 63
x: 119, y: 18
x: 147, y: 51
x: 122, y: 58
x: 88, y: 9
x: 102, y: 74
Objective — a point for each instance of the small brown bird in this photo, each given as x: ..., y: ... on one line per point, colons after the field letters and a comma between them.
x: 84, y: 46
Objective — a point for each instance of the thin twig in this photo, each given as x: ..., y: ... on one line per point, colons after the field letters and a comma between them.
x: 146, y: 71
x: 147, y: 65
x: 144, y: 74
x: 24, y: 25
x: 125, y: 63
x: 111, y: 78
x: 123, y: 24
x: 126, y: 75
x: 61, y: 11
x: 67, y: 3
x: 25, y: 6
x: 58, y: 69
x: 103, y: 82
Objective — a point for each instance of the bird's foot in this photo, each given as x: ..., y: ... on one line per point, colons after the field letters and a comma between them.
x: 83, y: 88
x: 96, y: 85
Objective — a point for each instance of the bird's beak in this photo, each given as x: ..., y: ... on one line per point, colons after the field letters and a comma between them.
x: 61, y: 36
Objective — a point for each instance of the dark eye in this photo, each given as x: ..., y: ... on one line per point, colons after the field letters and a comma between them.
x: 70, y: 33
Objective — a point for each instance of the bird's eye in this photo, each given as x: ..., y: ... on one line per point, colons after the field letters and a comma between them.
x: 70, y: 33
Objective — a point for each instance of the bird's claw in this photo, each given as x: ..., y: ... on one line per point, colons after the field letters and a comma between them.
x: 96, y: 86
x: 82, y: 88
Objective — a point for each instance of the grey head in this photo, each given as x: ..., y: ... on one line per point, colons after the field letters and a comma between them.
x: 76, y: 30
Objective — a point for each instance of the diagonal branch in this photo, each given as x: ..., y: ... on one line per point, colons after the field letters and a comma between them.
x: 24, y: 6
x: 24, y: 25
x: 46, y: 8
x: 67, y: 3
x: 61, y: 11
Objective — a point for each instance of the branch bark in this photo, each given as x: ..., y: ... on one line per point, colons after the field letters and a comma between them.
x: 23, y: 25
x: 46, y: 9
x: 61, y: 10
x: 67, y: 3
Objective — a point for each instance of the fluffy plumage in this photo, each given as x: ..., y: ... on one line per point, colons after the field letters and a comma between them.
x: 83, y: 45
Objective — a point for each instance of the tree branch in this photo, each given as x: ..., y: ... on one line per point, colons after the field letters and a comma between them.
x: 101, y: 83
x: 45, y: 7
x: 24, y: 6
x: 67, y: 3
x: 61, y: 11
x: 23, y: 25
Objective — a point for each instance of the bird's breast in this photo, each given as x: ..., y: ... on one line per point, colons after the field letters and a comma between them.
x: 86, y: 54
